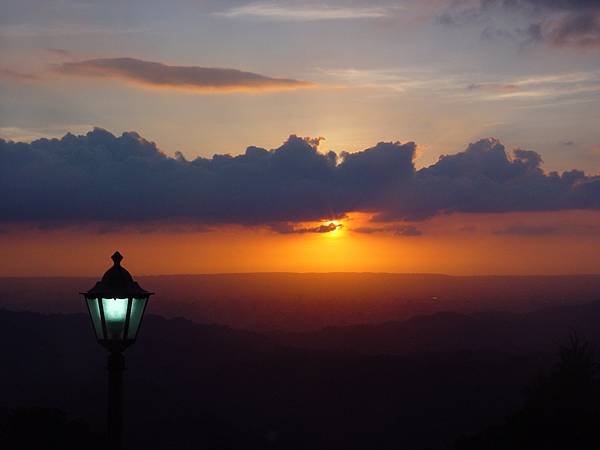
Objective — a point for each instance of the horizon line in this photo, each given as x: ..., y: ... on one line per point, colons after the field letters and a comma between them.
x: 431, y: 274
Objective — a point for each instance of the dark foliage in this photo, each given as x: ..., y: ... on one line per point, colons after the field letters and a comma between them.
x: 561, y: 411
x: 48, y: 429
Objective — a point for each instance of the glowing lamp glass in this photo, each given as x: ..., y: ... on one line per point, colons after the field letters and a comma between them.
x: 115, y: 309
x: 116, y: 319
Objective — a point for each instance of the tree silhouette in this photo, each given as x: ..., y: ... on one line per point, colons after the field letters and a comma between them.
x: 561, y: 409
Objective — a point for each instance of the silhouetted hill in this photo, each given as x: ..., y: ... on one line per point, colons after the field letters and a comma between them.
x: 302, y: 302
x: 451, y: 331
x: 414, y: 384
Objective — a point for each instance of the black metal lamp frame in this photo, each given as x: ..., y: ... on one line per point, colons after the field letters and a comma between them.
x: 116, y: 284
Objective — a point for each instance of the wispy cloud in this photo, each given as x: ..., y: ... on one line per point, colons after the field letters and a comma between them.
x: 469, y: 87
x: 492, y: 87
x: 60, y: 53
x: 72, y: 30
x: 16, y: 75
x: 400, y: 80
x: 158, y: 75
x: 547, y: 229
x: 557, y: 86
x: 527, y: 230
x: 395, y: 230
x: 283, y: 12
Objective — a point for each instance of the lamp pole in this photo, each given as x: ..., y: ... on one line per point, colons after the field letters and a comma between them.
x: 116, y: 305
x: 116, y: 366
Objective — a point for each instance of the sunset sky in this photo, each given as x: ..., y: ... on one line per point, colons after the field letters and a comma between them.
x: 236, y: 136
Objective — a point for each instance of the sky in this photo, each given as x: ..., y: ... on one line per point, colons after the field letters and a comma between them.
x: 449, y: 136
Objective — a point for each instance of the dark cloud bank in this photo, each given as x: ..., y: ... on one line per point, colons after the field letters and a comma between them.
x: 571, y: 23
x: 123, y: 180
x: 561, y: 23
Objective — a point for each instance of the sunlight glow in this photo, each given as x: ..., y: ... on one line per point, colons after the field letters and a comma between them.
x: 335, y: 228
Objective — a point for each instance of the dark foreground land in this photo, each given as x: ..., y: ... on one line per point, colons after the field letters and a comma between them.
x: 435, y: 381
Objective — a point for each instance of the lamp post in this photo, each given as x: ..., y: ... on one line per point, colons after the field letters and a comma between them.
x: 116, y: 305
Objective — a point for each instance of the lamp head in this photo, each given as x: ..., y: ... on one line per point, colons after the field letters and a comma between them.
x: 116, y: 305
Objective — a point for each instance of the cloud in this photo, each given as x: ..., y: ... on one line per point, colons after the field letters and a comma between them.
x: 407, y: 230
x: 158, y: 75
x: 396, y: 230
x: 398, y: 79
x: 368, y: 230
x: 564, y: 5
x: 316, y: 12
x: 553, y: 229
x: 492, y: 87
x: 290, y: 228
x: 527, y: 230
x: 99, y: 177
x: 531, y: 90
x: 15, y: 75
x: 577, y: 29
x: 559, y: 23
x: 59, y: 52
x: 484, y: 179
x: 565, y: 23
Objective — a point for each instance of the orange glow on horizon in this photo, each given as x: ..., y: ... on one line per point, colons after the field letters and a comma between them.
x: 461, y: 244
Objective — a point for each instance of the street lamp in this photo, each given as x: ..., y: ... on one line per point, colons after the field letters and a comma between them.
x: 116, y: 305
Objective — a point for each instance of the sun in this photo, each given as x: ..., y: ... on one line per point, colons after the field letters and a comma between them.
x: 332, y: 228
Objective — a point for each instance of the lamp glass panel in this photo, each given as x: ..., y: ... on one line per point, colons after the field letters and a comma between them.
x: 95, y: 315
x: 115, y: 314
x: 137, y: 311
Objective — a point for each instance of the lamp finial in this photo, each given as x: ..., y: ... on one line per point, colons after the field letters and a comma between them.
x: 117, y: 258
